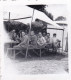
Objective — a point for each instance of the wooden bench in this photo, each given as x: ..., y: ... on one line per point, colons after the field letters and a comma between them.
x: 13, y: 50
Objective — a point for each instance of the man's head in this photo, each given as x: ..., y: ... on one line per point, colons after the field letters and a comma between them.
x: 54, y: 35
x: 32, y: 33
x: 44, y: 34
x: 48, y: 34
x: 23, y: 33
x: 13, y: 30
x: 40, y: 34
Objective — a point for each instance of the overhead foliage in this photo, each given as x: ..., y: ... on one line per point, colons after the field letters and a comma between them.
x: 60, y: 18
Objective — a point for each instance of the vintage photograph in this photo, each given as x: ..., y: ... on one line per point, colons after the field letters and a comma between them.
x: 36, y: 39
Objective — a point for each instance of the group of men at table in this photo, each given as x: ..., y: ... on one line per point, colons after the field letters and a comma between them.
x: 34, y: 41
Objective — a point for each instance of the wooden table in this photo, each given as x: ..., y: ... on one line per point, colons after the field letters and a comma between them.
x: 30, y: 47
x: 10, y: 44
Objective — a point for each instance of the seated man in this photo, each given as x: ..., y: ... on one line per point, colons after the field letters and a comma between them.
x: 33, y: 39
x: 24, y: 44
x: 24, y: 41
x: 41, y: 40
x: 44, y: 34
x: 48, y: 40
x: 16, y: 37
x: 11, y: 34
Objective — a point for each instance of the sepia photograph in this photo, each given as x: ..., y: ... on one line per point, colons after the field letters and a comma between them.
x: 36, y: 39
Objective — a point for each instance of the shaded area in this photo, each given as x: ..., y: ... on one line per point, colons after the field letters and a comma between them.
x: 37, y: 7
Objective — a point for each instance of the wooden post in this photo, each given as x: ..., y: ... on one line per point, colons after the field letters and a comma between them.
x: 40, y: 52
x: 63, y: 39
x: 9, y: 16
x: 66, y: 47
x: 29, y: 34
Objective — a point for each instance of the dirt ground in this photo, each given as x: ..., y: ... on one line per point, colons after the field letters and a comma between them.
x: 50, y: 64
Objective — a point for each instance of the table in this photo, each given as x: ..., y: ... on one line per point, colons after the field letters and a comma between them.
x: 10, y: 44
x: 30, y: 47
